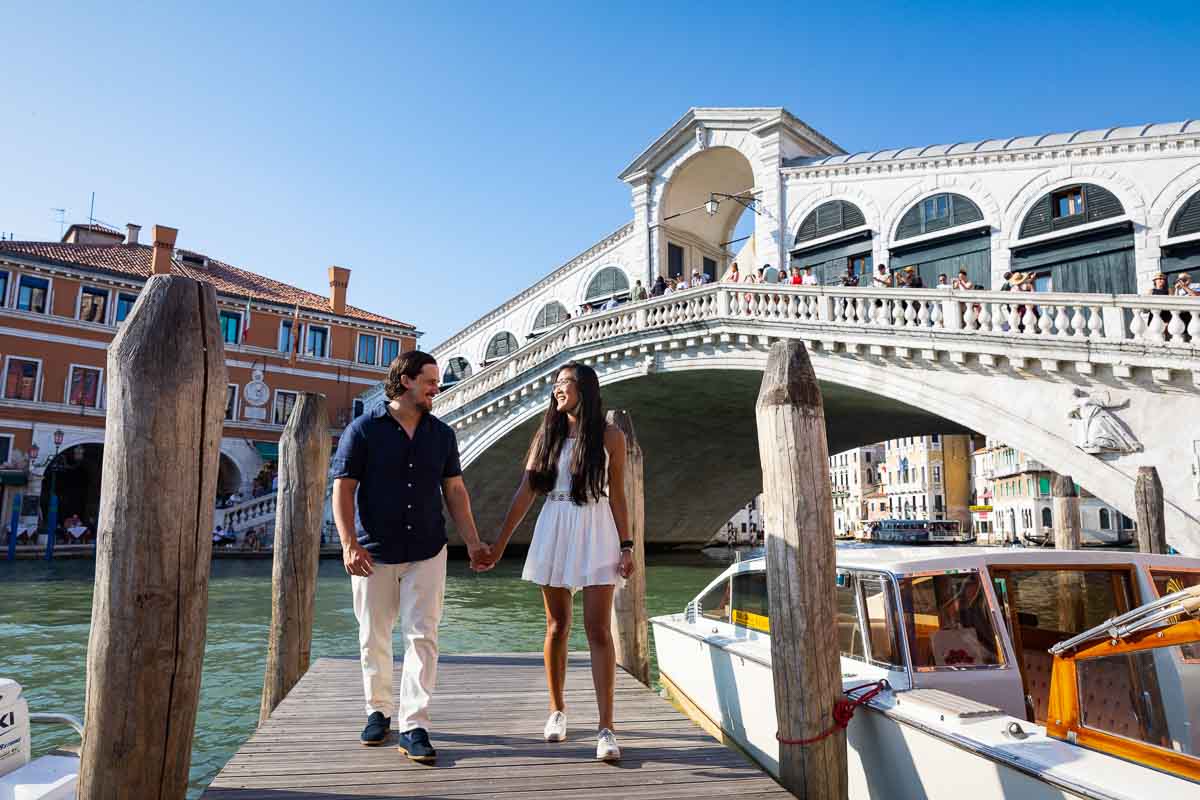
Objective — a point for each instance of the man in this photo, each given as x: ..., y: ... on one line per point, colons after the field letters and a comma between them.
x: 610, y: 304
x: 400, y: 460
x: 639, y: 291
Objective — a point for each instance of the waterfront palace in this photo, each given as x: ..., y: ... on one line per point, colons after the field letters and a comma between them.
x: 61, y: 304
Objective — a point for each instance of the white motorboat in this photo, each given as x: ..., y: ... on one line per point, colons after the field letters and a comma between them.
x: 963, y: 638
x: 54, y: 776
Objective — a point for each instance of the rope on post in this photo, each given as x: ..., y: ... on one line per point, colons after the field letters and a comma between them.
x: 843, y: 711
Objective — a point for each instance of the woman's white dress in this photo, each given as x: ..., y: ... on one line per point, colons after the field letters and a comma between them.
x: 573, y: 546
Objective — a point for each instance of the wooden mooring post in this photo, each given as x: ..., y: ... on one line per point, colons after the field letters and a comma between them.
x: 629, y: 601
x: 1064, y: 506
x: 1151, y: 520
x: 801, y: 574
x: 299, y: 511
x: 166, y: 401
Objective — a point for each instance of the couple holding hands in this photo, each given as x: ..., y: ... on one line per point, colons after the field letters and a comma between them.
x: 397, y: 462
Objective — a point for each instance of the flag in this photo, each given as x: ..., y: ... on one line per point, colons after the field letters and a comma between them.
x: 246, y: 319
x: 295, y: 336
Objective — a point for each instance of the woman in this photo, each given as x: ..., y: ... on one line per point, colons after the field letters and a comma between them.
x: 733, y: 276
x: 581, y: 539
x: 962, y: 282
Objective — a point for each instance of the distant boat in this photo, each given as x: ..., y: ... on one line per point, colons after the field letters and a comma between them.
x: 916, y: 531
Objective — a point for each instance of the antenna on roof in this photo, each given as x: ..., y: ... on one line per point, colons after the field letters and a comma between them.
x: 92, y: 210
x: 62, y: 220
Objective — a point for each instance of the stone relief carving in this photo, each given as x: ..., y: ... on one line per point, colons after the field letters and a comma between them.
x: 701, y: 136
x: 1099, y: 430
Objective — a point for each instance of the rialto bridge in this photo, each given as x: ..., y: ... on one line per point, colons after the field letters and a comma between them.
x: 891, y: 362
x: 1089, y: 216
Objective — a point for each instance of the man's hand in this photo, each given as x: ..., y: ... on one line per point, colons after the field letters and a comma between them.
x: 625, y: 565
x: 357, y: 560
x: 481, y: 556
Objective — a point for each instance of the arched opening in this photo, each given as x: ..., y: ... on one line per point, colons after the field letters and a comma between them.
x: 74, y: 479
x: 964, y: 241
x: 1184, y: 257
x: 833, y: 245
x: 609, y: 284
x: 549, y: 316
x: 229, y: 478
x: 1047, y: 517
x: 501, y: 345
x: 696, y: 234
x: 457, y: 369
x: 1095, y: 259
x: 1105, y: 520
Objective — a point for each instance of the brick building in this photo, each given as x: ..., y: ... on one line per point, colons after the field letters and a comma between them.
x: 62, y: 302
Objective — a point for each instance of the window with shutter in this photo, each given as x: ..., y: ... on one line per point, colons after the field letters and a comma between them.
x: 609, y: 282
x: 829, y: 218
x: 552, y: 314
x: 500, y: 346
x: 1188, y: 219
x: 457, y: 369
x: 1068, y: 207
x: 938, y: 212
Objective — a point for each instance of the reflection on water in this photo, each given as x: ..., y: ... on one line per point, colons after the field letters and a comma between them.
x: 45, y: 611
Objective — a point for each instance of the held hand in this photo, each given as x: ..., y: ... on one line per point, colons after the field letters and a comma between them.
x: 481, y: 556
x: 357, y: 560
x: 625, y: 565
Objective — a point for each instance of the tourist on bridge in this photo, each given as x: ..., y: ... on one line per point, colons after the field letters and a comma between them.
x: 808, y: 279
x: 733, y: 276
x: 797, y: 279
x: 398, y: 461
x: 659, y: 288
x: 581, y: 539
x: 943, y: 281
x: 882, y: 278
x: 962, y: 281
x: 1184, y: 286
x: 639, y: 291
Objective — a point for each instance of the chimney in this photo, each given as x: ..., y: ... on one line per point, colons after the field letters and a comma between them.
x: 339, y: 280
x: 131, y: 233
x: 164, y: 246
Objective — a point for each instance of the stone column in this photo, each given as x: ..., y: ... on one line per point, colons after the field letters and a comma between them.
x: 643, y: 227
x: 768, y: 183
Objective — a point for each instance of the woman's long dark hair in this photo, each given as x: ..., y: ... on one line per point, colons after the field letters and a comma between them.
x: 588, y: 465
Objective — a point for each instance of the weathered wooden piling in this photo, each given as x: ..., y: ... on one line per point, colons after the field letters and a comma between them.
x: 1064, y: 506
x: 629, y: 601
x: 1151, y: 521
x: 299, y: 512
x: 801, y: 574
x: 166, y: 401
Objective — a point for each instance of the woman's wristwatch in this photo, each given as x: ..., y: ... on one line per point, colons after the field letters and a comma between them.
x: 627, y: 544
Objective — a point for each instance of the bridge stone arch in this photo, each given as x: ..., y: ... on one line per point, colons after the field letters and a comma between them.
x: 973, y: 190
x: 1170, y: 200
x: 800, y: 209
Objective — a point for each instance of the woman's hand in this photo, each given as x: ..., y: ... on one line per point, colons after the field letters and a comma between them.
x: 625, y: 565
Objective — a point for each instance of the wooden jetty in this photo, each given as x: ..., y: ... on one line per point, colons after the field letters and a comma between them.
x: 488, y: 714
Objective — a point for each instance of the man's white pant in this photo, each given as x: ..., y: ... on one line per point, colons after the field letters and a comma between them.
x: 413, y: 592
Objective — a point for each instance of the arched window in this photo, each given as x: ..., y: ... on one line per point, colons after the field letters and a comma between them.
x: 1188, y: 219
x: 1105, y: 520
x: 1070, y: 206
x: 936, y: 213
x: 609, y: 282
x: 457, y: 369
x: 1047, y: 518
x: 553, y: 313
x: 829, y: 218
x: 501, y: 345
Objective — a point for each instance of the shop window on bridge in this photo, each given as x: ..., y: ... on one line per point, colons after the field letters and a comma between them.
x: 828, y: 219
x: 1187, y: 220
x: 609, y: 282
x: 965, y: 245
x: 937, y: 213
x: 709, y: 267
x: 457, y: 369
x: 1184, y: 256
x: 500, y: 346
x: 1073, y: 205
x: 552, y: 314
x: 674, y: 260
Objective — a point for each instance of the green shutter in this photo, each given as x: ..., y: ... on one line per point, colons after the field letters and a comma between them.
x: 1039, y: 218
x: 551, y: 314
x: 910, y: 223
x: 963, y: 211
x: 501, y: 345
x: 1188, y: 219
x: 1099, y: 203
x: 608, y: 282
x: 829, y: 218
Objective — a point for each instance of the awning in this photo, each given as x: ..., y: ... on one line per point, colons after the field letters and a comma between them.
x: 268, y: 450
x: 13, y: 477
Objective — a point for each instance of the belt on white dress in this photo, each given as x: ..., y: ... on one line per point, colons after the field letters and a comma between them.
x: 565, y: 497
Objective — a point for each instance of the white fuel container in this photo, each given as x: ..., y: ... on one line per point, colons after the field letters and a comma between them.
x: 14, y: 727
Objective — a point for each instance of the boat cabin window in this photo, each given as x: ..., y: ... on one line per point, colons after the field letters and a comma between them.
x: 947, y: 622
x: 715, y: 602
x: 866, y: 597
x: 750, y: 609
x: 1120, y: 694
x: 1044, y: 606
x: 1169, y: 582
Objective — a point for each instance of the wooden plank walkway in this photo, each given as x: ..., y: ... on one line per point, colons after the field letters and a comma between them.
x: 488, y: 714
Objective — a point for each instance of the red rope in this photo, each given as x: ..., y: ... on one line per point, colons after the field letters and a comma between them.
x: 843, y: 711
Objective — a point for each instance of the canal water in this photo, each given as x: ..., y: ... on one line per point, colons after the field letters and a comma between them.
x: 45, y: 612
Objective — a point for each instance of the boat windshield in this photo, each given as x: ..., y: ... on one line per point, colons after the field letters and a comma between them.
x: 947, y: 622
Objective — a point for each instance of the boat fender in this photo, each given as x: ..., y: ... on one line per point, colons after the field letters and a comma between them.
x: 843, y: 710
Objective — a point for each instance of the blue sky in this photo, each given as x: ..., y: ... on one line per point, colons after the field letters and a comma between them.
x: 451, y: 156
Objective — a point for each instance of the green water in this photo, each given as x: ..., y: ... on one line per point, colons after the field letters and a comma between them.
x: 45, y: 612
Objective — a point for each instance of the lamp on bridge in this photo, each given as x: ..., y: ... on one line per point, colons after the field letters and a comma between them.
x: 51, y: 464
x: 713, y: 204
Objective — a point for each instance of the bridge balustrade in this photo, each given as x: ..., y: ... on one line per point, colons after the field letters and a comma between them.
x: 1171, y: 324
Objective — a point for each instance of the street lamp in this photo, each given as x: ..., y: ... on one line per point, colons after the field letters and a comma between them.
x: 51, y: 464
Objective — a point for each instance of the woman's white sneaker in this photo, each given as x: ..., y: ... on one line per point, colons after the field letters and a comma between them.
x: 556, y: 727
x: 606, y: 746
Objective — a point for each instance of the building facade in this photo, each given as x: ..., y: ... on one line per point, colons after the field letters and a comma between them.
x: 928, y: 477
x: 854, y: 476
x: 61, y: 304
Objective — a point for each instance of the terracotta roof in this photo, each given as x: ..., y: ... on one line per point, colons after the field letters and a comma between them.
x: 94, y: 226
x: 134, y: 261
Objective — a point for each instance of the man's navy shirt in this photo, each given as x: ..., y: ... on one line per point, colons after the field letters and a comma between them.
x: 399, y: 483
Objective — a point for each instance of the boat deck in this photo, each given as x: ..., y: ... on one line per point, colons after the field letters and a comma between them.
x: 488, y: 716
